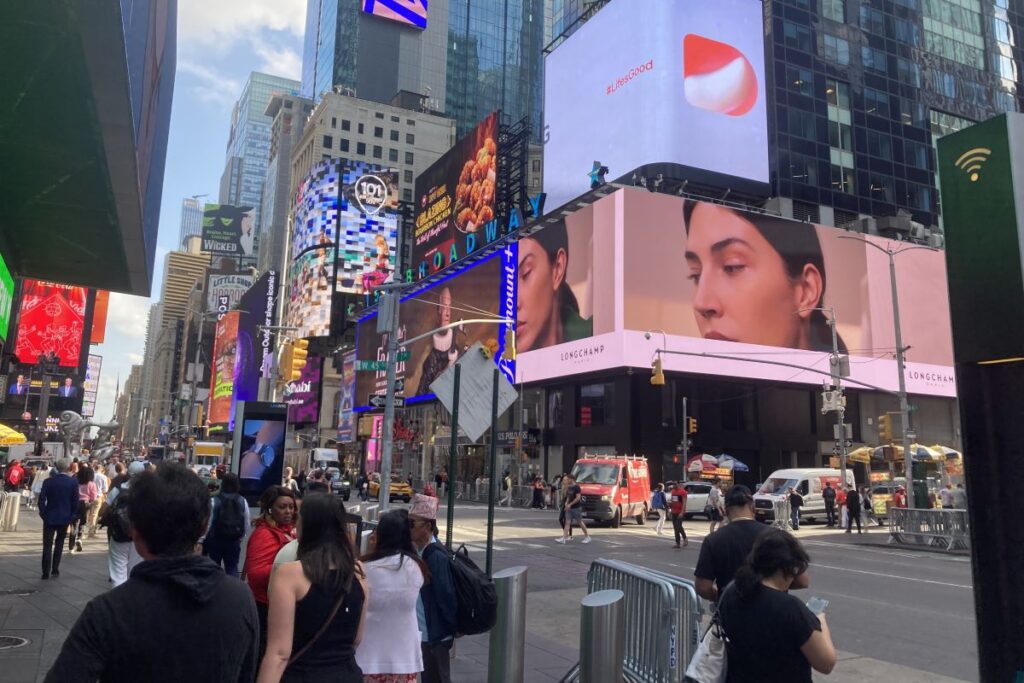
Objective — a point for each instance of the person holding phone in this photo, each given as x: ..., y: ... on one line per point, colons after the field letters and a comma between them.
x: 771, y: 634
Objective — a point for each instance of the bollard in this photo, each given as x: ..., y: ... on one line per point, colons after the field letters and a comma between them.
x: 602, y: 637
x: 364, y: 542
x: 508, y: 637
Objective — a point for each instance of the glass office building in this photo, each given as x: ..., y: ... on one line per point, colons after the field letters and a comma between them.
x: 473, y: 57
x: 861, y: 89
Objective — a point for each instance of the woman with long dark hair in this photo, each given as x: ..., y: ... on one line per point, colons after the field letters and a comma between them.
x: 87, y: 494
x: 318, y: 603
x: 758, y: 278
x: 273, y: 529
x: 770, y: 634
x: 390, y: 651
x: 547, y: 311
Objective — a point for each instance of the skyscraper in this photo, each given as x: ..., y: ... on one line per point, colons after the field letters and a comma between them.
x: 245, y: 164
x: 191, y: 219
x: 473, y: 57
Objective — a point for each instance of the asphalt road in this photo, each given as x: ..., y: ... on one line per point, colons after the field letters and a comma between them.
x: 907, y: 607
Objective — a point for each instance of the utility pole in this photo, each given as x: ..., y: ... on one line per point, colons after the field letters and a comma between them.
x: 908, y: 460
x: 686, y: 436
x: 387, y: 321
x: 837, y: 379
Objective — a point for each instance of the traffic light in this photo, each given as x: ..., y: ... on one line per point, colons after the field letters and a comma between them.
x: 691, y: 425
x: 284, y: 363
x: 658, y: 378
x: 300, y: 351
x: 885, y: 428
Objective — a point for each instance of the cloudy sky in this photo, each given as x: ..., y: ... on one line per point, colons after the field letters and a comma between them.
x: 219, y: 43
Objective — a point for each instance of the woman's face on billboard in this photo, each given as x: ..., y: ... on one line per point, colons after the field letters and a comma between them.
x: 743, y: 291
x: 537, y: 314
x: 444, y: 308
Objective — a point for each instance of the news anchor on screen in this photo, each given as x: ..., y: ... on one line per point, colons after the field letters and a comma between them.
x: 67, y: 390
x: 19, y: 388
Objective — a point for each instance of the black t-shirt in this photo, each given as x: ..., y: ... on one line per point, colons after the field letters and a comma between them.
x: 765, y: 633
x: 570, y: 493
x: 725, y: 551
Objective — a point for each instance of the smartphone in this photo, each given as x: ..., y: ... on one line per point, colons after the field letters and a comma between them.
x: 817, y: 605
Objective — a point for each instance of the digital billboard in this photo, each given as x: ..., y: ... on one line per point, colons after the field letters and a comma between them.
x: 485, y: 289
x: 230, y: 285
x: 6, y: 298
x: 229, y: 230
x: 681, y: 82
x: 225, y: 354
x: 346, y: 415
x: 51, y: 318
x: 455, y: 200
x: 411, y: 12
x: 345, y: 234
x: 303, y: 395
x: 717, y: 280
x: 254, y: 346
x: 98, y: 332
x: 257, y: 448
x: 91, y: 384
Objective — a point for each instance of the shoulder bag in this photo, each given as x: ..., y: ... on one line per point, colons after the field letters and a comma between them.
x: 709, y: 663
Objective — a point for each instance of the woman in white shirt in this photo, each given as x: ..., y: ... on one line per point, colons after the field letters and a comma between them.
x: 390, y: 648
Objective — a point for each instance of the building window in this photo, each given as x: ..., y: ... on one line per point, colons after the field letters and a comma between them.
x: 919, y: 197
x: 361, y: 149
x: 410, y: 139
x: 803, y: 169
x: 394, y: 135
x: 334, y: 122
x: 556, y: 410
x: 409, y: 158
x: 836, y: 50
x: 840, y: 135
x: 346, y: 124
x: 595, y: 405
x: 361, y: 129
x: 876, y: 102
x: 393, y: 155
x: 907, y: 32
x: 842, y: 177
x: 915, y: 154
x: 378, y: 152
x: 908, y: 72
x: 394, y: 119
x: 535, y: 165
x: 287, y: 104
x: 875, y: 60
x: 944, y: 124
x: 378, y: 132
x: 802, y: 124
x: 943, y: 83
x: 407, y: 176
x: 379, y: 114
x: 879, y: 145
x: 912, y: 113
x: 799, y: 80
x: 328, y: 141
x: 796, y: 36
x: 410, y: 122
x: 343, y: 144
x: 872, y: 20
x: 952, y: 29
x: 880, y: 188
x: 834, y: 10
x: 407, y: 195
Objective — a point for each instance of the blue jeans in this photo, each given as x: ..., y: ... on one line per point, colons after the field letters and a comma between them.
x: 794, y: 517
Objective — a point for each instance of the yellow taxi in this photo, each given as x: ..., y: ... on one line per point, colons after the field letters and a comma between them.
x: 399, y: 489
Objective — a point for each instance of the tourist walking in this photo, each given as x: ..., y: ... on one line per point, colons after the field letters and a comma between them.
x: 86, y: 497
x: 677, y: 506
x: 102, y: 489
x: 229, y: 521
x: 178, y: 619
x: 436, y: 608
x: 722, y: 553
x: 573, y: 508
x: 273, y: 529
x: 318, y: 602
x: 714, y: 508
x: 58, y: 505
x: 658, y: 504
x: 41, y: 475
x: 390, y: 651
x: 122, y: 556
x: 538, y: 493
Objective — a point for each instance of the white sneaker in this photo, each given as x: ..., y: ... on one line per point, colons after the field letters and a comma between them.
x: 559, y: 540
x: 586, y: 539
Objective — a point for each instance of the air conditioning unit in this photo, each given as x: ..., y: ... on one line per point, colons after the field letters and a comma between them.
x: 918, y: 231
x: 895, y: 227
x: 937, y: 240
x: 867, y: 225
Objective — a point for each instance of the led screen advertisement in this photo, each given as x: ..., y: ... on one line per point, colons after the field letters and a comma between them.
x: 98, y: 331
x: 455, y: 199
x: 52, y: 318
x: 303, y: 395
x: 6, y: 298
x: 258, y: 446
x: 681, y: 83
x: 91, y: 385
x: 410, y: 12
x: 483, y: 290
x: 225, y: 354
x: 345, y: 233
x: 253, y: 346
x: 346, y: 415
x: 740, y: 285
x: 229, y: 230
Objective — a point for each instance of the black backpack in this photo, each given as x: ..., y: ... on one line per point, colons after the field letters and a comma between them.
x: 229, y: 522
x: 115, y: 516
x: 476, y: 598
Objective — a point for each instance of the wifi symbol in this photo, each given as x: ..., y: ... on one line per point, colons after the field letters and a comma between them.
x: 972, y: 160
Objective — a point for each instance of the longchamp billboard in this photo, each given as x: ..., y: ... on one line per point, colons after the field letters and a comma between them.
x: 727, y: 282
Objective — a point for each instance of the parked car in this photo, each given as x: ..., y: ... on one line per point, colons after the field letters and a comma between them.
x: 696, y: 499
x: 398, y: 490
x: 340, y: 485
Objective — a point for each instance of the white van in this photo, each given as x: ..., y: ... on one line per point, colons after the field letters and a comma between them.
x: 809, y: 483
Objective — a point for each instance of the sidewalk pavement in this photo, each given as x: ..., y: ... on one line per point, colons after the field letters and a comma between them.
x: 43, y: 611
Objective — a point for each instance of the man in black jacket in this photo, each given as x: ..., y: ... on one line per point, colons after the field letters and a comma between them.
x: 829, y: 496
x: 853, y: 509
x: 179, y: 617
x: 437, y: 598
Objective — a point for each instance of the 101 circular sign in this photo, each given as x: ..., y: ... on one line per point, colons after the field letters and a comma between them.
x: 371, y: 193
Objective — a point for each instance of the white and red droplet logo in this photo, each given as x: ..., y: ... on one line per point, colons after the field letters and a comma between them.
x: 717, y: 77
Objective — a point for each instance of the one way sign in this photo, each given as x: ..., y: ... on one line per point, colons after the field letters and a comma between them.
x: 378, y: 401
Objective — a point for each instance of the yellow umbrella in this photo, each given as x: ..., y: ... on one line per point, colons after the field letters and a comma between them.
x: 919, y: 452
x: 947, y: 452
x: 9, y: 437
x: 862, y: 455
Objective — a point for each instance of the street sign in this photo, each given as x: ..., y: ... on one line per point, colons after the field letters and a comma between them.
x: 401, y: 356
x: 475, y: 391
x: 379, y: 401
x: 399, y: 386
x: 371, y: 365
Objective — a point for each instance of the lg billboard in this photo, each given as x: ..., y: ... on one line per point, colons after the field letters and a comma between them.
x: 677, y: 82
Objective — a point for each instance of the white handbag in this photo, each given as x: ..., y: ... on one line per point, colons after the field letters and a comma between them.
x: 709, y: 662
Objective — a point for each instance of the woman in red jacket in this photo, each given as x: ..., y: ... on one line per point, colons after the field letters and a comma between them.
x: 272, y: 530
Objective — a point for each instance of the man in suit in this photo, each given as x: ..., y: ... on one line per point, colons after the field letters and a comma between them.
x: 19, y: 388
x: 67, y: 390
x: 58, y: 505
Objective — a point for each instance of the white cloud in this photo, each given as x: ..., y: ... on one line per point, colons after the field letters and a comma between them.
x: 135, y: 358
x: 278, y: 61
x: 128, y: 315
x: 210, y: 86
x: 219, y: 24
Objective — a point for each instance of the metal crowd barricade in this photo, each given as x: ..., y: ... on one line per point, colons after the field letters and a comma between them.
x: 10, y: 507
x: 663, y: 620
x: 948, y: 529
